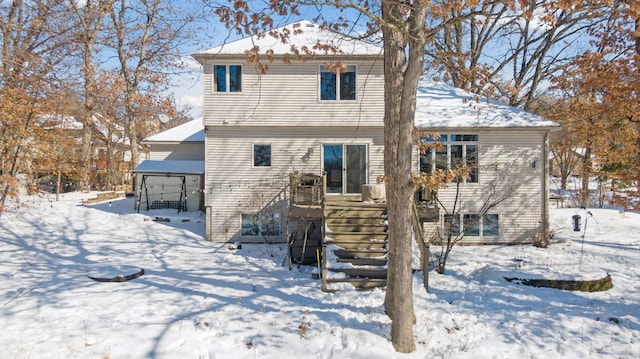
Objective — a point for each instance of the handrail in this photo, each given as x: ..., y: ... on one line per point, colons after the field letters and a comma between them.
x: 323, y: 195
x: 415, y: 220
x: 422, y: 244
x: 312, y: 193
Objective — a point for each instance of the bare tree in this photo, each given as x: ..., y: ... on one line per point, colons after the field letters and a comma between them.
x: 602, y: 109
x: 260, y: 204
x: 145, y: 38
x: 507, y: 51
x: 89, y: 17
x: 34, y: 40
x: 566, y: 159
x: 457, y: 223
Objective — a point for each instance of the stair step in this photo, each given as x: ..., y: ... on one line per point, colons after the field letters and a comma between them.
x: 360, y: 244
x: 363, y: 253
x: 363, y: 261
x: 360, y: 283
x: 357, y: 227
x: 354, y: 212
x: 355, y: 205
x: 365, y: 273
x: 354, y: 220
x: 354, y: 215
x: 357, y: 236
x: 360, y: 233
x: 345, y: 198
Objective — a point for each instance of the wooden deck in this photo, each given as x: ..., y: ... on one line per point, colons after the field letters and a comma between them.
x: 346, y: 235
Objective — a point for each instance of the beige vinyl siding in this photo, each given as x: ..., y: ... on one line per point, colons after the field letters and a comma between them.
x: 289, y: 95
x: 178, y: 151
x: 505, y: 163
x: 233, y: 186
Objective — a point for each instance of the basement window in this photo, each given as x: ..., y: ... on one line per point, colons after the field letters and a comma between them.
x: 260, y: 225
x: 472, y: 225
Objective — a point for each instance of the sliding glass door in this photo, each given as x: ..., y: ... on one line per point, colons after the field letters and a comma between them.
x: 346, y: 168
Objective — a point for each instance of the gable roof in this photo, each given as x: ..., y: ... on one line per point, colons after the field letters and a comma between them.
x: 302, y: 34
x: 443, y: 106
x: 192, y: 131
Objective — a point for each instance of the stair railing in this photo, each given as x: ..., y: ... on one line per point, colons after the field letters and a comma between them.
x: 422, y: 244
x: 323, y: 202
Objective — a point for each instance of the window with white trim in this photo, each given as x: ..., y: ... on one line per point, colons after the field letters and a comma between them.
x: 227, y: 78
x: 457, y: 151
x: 472, y: 225
x: 336, y: 85
x: 260, y: 225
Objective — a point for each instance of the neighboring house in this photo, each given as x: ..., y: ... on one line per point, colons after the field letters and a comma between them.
x: 306, y: 117
x: 111, y: 161
x: 172, y: 177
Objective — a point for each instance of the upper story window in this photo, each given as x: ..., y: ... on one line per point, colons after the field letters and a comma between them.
x: 227, y: 78
x: 338, y: 85
x: 458, y: 150
x: 261, y: 155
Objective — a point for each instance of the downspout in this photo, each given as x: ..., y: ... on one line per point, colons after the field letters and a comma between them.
x: 545, y: 189
x: 208, y: 213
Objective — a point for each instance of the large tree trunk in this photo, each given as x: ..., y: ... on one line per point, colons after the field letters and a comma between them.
x: 87, y: 129
x: 637, y: 25
x: 401, y: 81
x: 132, y: 125
x: 87, y: 119
x: 90, y: 17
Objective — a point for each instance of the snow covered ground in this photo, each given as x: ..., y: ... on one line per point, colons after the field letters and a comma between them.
x: 202, y: 300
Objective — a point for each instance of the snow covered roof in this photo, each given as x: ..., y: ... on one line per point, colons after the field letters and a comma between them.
x: 192, y: 131
x: 443, y: 106
x: 170, y: 167
x: 580, y: 151
x: 303, y: 34
x: 117, y: 131
x: 103, y: 125
x: 62, y: 122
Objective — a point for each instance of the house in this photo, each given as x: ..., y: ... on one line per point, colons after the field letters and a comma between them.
x: 172, y: 177
x: 507, y: 150
x: 111, y: 161
x: 324, y: 116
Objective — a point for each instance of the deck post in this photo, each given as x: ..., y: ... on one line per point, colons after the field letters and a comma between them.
x: 323, y: 195
x: 425, y: 265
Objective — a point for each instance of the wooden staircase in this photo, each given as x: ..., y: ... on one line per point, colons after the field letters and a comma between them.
x: 355, y: 244
x: 351, y: 235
